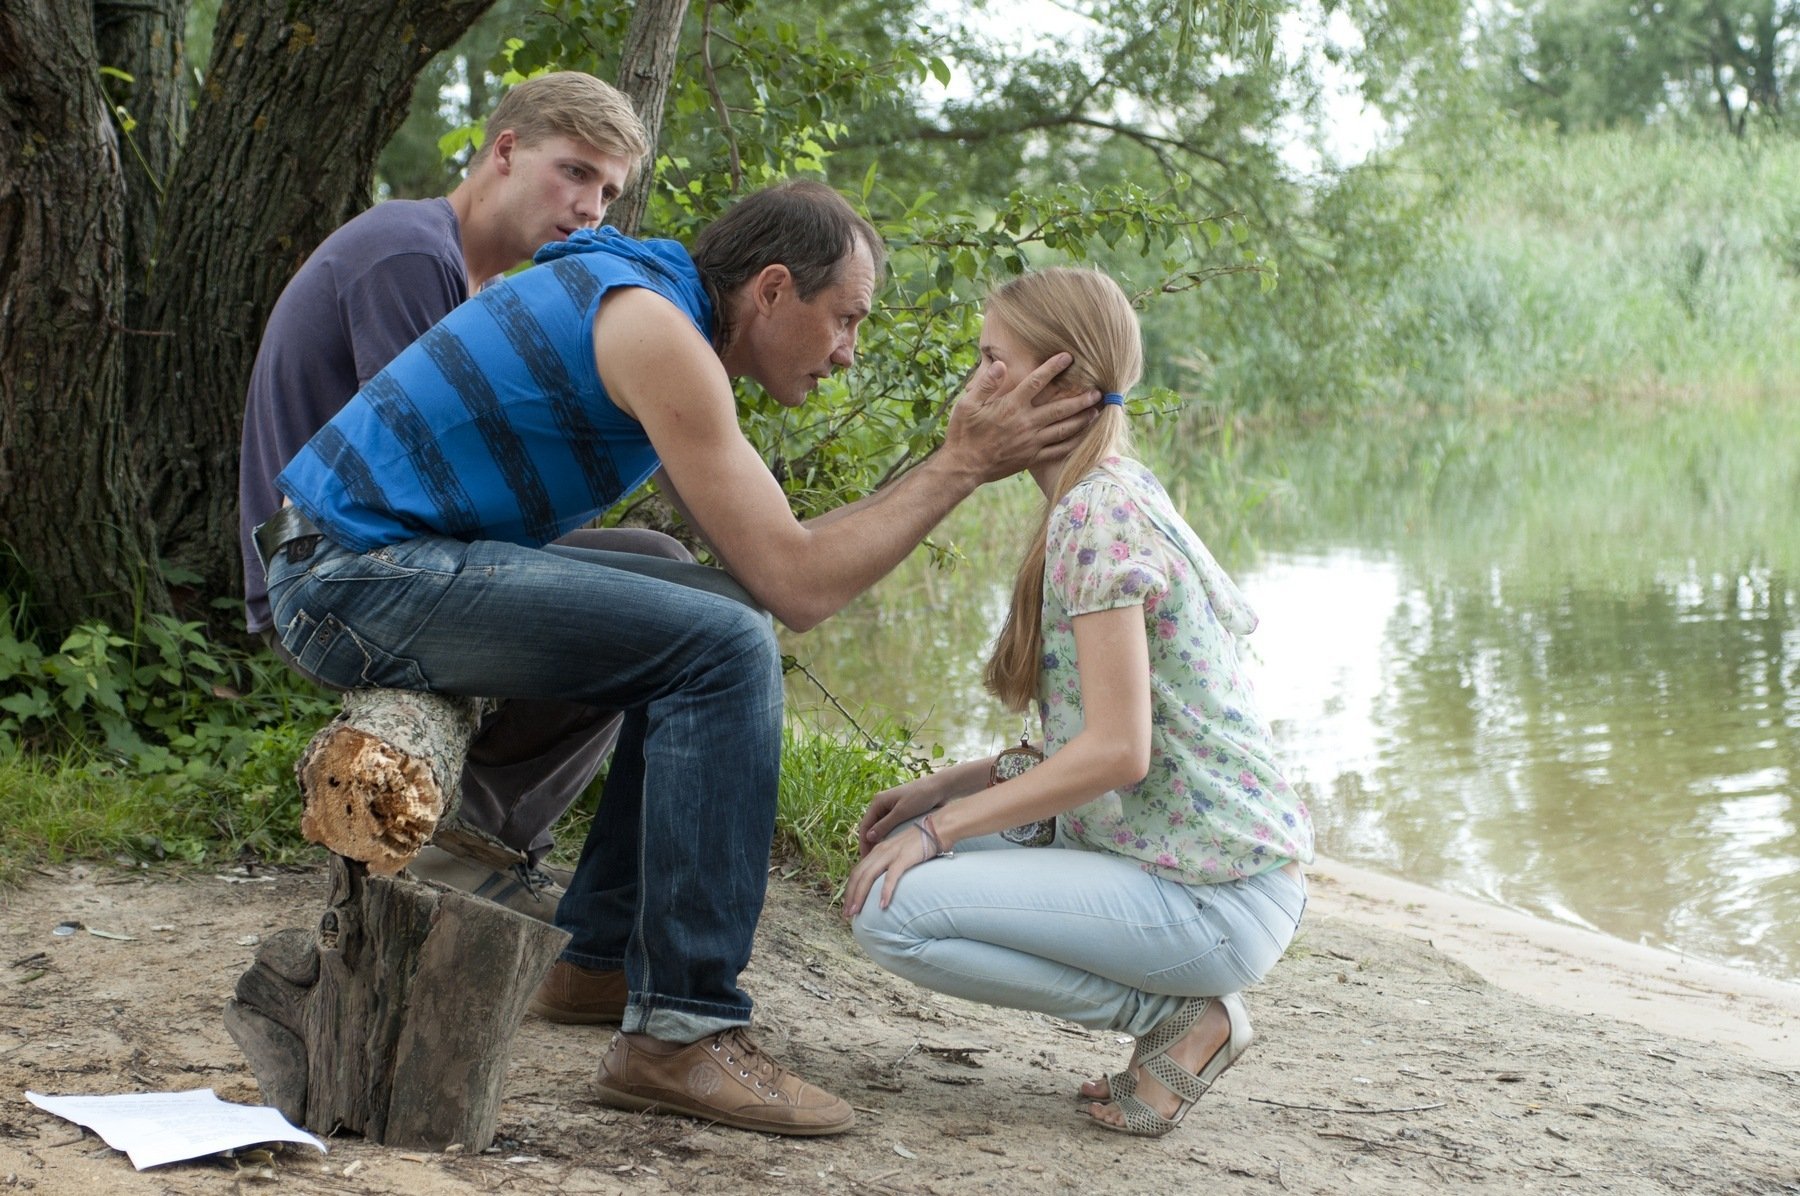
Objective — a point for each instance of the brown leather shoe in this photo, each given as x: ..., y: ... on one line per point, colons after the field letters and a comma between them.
x: 725, y: 1079
x: 580, y: 996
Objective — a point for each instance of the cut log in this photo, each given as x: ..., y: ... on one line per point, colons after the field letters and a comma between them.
x: 395, y: 1018
x: 378, y: 779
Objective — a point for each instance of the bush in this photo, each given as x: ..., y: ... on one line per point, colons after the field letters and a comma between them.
x: 157, y: 743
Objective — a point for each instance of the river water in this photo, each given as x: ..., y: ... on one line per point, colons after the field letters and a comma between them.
x: 1551, y: 660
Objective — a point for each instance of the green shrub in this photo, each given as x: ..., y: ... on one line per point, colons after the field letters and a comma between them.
x: 1512, y: 264
x: 158, y: 744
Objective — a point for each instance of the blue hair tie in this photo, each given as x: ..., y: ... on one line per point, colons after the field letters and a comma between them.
x: 1112, y: 399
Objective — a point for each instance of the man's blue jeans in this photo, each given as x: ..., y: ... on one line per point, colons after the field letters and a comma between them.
x: 673, y: 874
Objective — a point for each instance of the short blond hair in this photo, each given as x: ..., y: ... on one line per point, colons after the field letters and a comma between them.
x: 569, y: 104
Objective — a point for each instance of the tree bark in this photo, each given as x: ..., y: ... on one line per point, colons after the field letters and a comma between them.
x: 98, y: 386
x: 143, y: 38
x: 646, y: 65
x: 299, y: 98
x: 71, y: 514
x: 395, y: 1019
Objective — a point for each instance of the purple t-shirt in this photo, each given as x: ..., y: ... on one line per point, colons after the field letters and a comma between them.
x: 369, y: 290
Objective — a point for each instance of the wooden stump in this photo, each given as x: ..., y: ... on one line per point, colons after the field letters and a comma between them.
x: 379, y: 778
x: 395, y: 1018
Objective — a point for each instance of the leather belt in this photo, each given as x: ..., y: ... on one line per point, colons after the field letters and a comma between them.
x: 287, y: 528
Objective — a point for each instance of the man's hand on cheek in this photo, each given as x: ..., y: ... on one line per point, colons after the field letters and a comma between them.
x: 1002, y: 426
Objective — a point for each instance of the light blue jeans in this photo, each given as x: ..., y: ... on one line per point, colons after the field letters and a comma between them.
x: 1087, y: 936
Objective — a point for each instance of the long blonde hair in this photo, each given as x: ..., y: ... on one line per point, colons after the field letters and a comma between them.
x: 1084, y: 313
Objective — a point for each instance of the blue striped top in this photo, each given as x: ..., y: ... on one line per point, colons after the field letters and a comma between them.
x: 494, y: 425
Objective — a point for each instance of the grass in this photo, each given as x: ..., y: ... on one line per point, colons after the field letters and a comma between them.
x: 81, y: 806
x: 53, y: 813
x: 1612, y: 258
x: 826, y: 783
x: 151, y: 743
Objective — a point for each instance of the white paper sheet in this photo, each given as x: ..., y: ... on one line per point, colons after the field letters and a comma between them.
x: 153, y: 1128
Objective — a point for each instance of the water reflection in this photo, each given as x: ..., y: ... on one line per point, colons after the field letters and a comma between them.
x: 913, y: 650
x: 1626, y: 762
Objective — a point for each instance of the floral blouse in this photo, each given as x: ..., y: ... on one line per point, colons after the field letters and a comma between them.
x: 1214, y: 806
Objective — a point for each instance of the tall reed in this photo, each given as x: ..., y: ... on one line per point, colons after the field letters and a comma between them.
x: 1521, y: 265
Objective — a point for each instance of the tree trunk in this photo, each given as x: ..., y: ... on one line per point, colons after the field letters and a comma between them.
x: 143, y: 38
x: 395, y: 1019
x: 299, y: 98
x: 646, y: 64
x: 70, y: 511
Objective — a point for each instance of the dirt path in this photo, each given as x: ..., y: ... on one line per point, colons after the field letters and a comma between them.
x: 1381, y: 1066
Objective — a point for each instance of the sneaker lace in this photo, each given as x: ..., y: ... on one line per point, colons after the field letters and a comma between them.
x: 537, y: 882
x: 742, y: 1053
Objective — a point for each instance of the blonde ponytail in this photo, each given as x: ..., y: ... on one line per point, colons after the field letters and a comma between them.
x: 1082, y: 312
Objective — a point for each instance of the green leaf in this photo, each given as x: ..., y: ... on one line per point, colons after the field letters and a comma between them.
x: 35, y: 704
x: 467, y: 137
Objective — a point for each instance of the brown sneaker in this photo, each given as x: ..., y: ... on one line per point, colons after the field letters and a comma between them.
x: 580, y: 996
x: 725, y: 1079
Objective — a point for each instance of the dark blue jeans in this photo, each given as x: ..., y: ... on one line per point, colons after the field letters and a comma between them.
x: 673, y: 874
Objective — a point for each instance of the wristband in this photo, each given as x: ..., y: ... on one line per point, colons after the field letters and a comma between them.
x: 928, y: 828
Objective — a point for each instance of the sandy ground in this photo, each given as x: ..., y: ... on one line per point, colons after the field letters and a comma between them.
x: 1576, y: 970
x: 1411, y: 1043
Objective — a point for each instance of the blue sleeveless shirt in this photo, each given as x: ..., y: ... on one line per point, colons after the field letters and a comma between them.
x: 494, y: 425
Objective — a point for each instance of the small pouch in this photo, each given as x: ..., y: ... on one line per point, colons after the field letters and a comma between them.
x: 1012, y: 762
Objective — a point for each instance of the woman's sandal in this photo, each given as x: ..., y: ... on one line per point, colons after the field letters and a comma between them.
x: 1162, y: 1036
x: 1151, y: 1054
